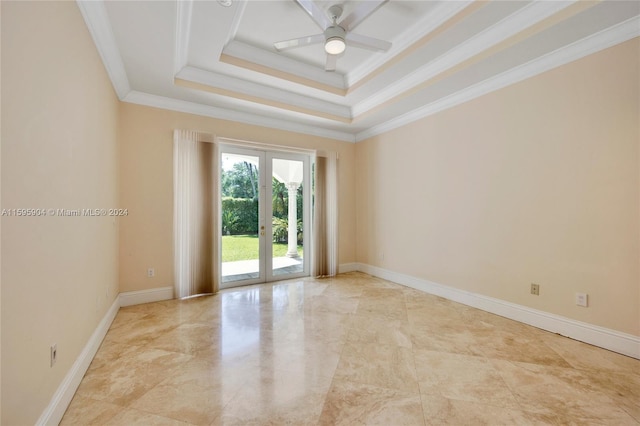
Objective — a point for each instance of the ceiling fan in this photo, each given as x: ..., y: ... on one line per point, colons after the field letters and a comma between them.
x: 337, y: 34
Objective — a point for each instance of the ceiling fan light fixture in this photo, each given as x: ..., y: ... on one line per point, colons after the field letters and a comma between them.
x: 334, y: 40
x: 334, y: 45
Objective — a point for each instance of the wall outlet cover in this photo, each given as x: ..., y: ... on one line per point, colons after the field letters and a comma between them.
x: 582, y: 299
x: 535, y: 289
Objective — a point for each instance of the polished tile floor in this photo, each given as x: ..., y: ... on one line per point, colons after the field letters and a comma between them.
x: 349, y: 350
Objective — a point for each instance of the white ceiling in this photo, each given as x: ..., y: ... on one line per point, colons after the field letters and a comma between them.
x: 204, y: 58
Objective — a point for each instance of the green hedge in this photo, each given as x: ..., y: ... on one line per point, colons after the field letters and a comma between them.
x: 239, y: 216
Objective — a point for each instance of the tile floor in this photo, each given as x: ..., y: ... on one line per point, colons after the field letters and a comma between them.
x: 349, y: 350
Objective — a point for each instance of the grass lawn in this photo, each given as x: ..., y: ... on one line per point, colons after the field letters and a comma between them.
x: 245, y: 247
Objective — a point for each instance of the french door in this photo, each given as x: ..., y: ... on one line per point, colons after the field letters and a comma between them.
x: 264, y: 216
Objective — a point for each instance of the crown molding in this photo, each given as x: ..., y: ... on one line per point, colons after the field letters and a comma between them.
x: 96, y: 18
x: 171, y: 104
x: 601, y: 40
x: 499, y: 32
x: 284, y: 99
x: 97, y: 21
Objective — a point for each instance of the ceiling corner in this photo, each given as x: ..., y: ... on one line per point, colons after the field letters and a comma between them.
x: 97, y: 21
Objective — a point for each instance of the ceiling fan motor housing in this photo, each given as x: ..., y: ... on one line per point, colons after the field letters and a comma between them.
x: 335, y: 31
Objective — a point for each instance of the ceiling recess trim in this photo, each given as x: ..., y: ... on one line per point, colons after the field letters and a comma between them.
x: 98, y: 24
x: 240, y: 7
x: 266, y: 95
x: 497, y: 33
x: 601, y: 40
x: 171, y: 104
x: 279, y: 66
x: 183, y: 31
x: 434, y: 19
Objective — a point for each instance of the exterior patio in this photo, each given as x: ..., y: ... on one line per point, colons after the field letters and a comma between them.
x: 249, y: 269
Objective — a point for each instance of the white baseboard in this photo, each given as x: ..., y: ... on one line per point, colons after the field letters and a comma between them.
x: 347, y: 267
x: 613, y: 340
x: 146, y: 296
x: 64, y: 394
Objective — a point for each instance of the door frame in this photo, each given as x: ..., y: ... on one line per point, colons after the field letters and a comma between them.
x: 306, y: 213
x: 265, y: 156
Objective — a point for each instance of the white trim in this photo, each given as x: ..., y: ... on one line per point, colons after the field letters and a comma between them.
x: 594, y: 43
x: 222, y: 140
x: 171, y: 104
x: 441, y: 13
x: 502, y: 30
x: 184, y: 11
x: 52, y: 414
x: 347, y: 267
x: 139, y: 297
x: 98, y: 24
x: 97, y: 20
x: 241, y: 5
x: 268, y: 93
x: 64, y: 394
x: 613, y: 340
x: 275, y: 61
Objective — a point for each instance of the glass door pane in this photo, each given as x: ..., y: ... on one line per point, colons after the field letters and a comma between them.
x: 288, y: 216
x: 242, y: 218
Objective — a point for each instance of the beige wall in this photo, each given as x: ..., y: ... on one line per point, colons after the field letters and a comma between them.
x: 537, y: 182
x: 146, y: 161
x: 59, y: 150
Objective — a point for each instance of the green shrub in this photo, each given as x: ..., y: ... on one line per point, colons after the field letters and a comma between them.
x: 239, y: 216
x: 281, y: 230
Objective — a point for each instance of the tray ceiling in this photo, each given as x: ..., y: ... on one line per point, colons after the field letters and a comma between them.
x: 208, y: 59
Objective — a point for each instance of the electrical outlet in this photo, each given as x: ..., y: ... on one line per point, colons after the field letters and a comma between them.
x: 54, y: 354
x: 582, y: 299
x: 151, y: 272
x: 535, y: 289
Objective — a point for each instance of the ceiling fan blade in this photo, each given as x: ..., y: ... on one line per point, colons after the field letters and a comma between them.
x: 331, y: 62
x: 364, y: 9
x: 299, y: 42
x: 317, y: 13
x: 364, y: 42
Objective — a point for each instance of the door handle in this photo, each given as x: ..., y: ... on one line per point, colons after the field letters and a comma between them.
x: 262, y: 231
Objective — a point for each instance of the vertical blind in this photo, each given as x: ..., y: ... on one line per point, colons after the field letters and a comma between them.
x: 325, y: 217
x: 193, y: 224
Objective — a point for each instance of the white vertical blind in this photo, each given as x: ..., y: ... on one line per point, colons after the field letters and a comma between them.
x: 193, y: 177
x: 325, y: 216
